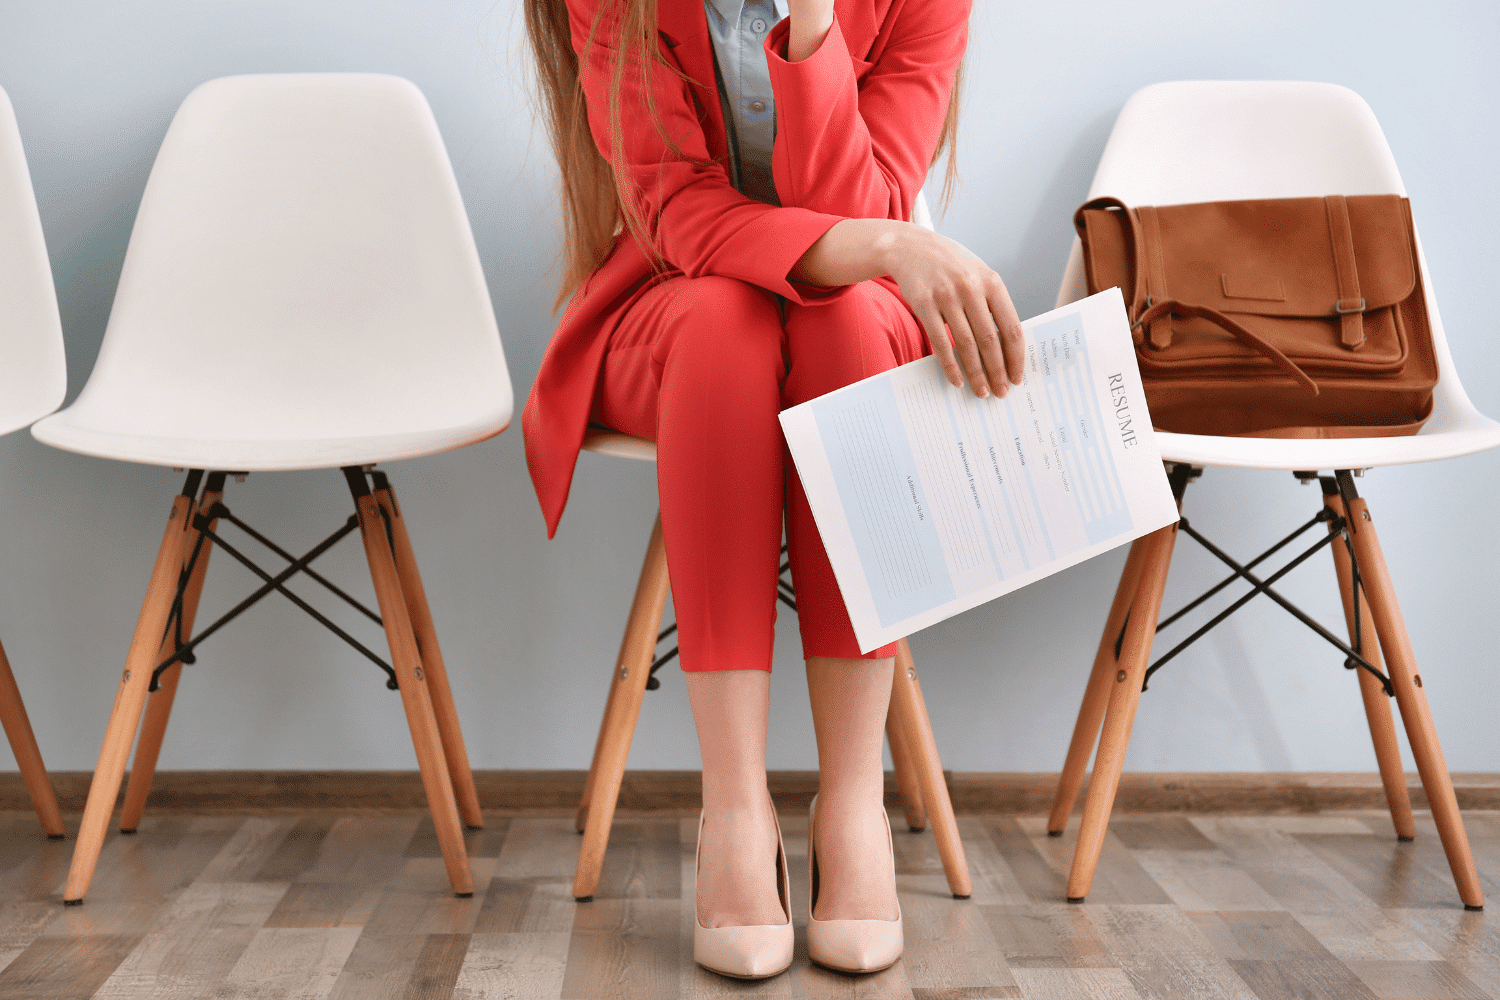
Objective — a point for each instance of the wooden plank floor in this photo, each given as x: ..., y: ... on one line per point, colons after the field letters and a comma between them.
x: 355, y: 906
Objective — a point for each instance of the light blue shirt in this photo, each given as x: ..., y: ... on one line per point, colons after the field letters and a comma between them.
x: 739, y: 29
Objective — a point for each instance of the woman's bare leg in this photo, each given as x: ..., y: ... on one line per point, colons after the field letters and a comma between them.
x: 849, y: 701
x: 737, y: 872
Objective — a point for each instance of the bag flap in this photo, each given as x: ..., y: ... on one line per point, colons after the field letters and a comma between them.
x: 1271, y: 257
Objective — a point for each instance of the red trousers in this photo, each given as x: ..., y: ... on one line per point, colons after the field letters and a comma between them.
x: 702, y: 366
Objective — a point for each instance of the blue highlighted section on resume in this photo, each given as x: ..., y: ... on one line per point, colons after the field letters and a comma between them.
x: 881, y: 487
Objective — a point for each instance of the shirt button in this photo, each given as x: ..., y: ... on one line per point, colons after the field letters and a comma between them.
x: 758, y: 107
x: 758, y: 25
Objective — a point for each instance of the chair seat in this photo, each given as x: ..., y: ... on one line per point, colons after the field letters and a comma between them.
x: 1473, y: 432
x: 607, y: 442
x: 15, y: 418
x: 248, y: 454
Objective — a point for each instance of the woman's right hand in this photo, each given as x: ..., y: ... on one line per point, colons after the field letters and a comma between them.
x: 960, y: 301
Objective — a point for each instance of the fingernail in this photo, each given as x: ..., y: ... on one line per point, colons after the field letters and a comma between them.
x: 981, y: 391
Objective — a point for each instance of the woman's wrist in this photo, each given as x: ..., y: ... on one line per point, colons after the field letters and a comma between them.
x: 889, y: 237
x: 851, y: 251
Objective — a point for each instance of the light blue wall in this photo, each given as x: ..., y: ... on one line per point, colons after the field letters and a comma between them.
x: 530, y: 627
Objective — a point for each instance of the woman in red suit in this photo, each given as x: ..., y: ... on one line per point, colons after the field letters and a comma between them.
x: 737, y: 177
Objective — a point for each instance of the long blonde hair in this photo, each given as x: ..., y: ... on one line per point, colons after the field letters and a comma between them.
x: 597, y: 201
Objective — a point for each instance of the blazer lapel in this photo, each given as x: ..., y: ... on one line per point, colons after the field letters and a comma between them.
x: 684, y: 29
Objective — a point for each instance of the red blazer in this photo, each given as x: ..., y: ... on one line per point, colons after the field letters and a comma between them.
x: 856, y: 126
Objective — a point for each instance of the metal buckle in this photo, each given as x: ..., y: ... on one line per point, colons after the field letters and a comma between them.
x: 1137, y: 324
x: 1338, y: 307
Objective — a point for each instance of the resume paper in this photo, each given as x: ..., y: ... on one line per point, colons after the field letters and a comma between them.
x: 931, y: 500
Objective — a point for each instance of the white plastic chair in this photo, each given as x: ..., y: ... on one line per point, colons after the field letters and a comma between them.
x: 33, y: 380
x: 919, y: 770
x: 1177, y: 143
x: 301, y: 291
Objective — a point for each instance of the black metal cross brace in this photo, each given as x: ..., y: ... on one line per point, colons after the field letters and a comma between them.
x: 1338, y: 532
x: 184, y: 651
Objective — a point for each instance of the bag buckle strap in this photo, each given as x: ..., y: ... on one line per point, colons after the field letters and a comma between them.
x: 1351, y: 319
x: 1158, y: 331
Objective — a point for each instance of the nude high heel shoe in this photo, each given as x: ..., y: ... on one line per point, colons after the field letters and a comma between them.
x: 849, y: 945
x: 756, y: 951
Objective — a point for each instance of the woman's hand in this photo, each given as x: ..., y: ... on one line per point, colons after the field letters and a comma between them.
x: 945, y: 285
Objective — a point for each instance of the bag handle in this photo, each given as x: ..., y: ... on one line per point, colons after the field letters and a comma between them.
x: 1235, y: 329
x: 1145, y: 311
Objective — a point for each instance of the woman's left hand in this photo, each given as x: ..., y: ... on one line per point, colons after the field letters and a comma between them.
x: 960, y: 301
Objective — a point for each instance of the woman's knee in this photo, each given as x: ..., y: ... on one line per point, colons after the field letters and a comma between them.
x: 861, y: 330
x: 724, y: 325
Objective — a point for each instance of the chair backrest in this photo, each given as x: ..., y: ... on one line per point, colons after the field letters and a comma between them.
x: 33, y: 370
x: 1214, y: 141
x: 920, y: 213
x: 301, y: 267
x: 1183, y: 142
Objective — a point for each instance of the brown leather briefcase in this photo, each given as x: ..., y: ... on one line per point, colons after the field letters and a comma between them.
x: 1287, y: 317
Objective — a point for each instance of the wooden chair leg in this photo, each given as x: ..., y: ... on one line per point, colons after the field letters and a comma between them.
x: 1421, y: 734
x: 912, y: 710
x: 906, y: 772
x: 130, y: 698
x: 1124, y: 694
x: 415, y: 697
x: 1096, y: 694
x: 637, y: 650
x: 28, y: 755
x: 1377, y: 705
x: 617, y: 689
x: 159, y: 703
x: 432, y: 661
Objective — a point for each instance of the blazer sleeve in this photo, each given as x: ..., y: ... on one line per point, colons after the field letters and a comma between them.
x: 697, y: 220
x: 856, y: 139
